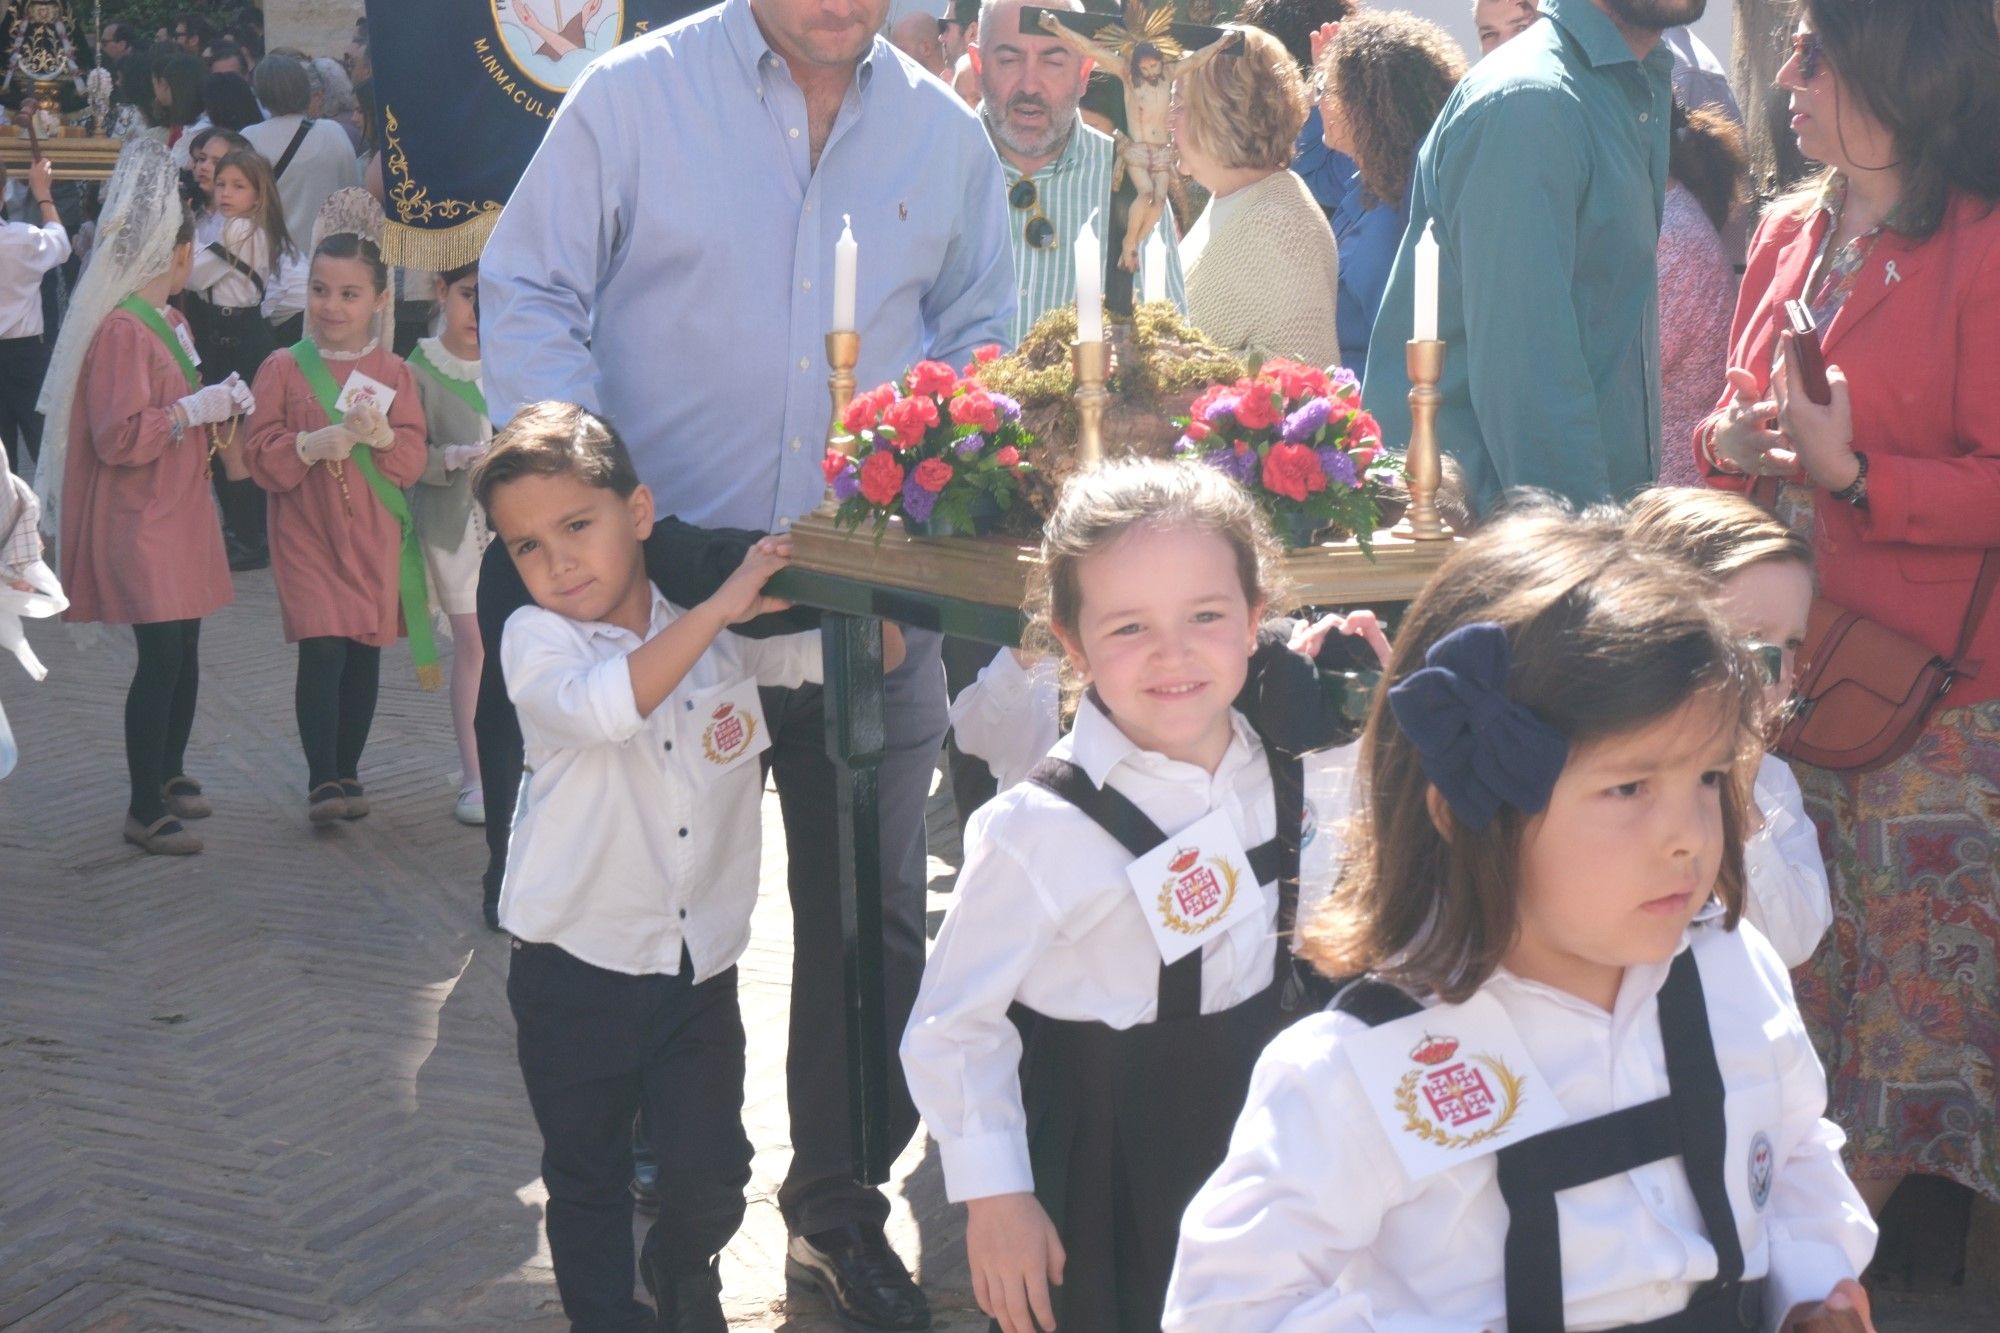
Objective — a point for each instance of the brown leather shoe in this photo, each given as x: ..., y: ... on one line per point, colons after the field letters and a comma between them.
x: 326, y: 803
x: 184, y: 799
x: 163, y: 837
x: 357, y: 802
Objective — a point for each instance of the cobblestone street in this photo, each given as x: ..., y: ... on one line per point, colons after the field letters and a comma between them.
x: 273, y: 1086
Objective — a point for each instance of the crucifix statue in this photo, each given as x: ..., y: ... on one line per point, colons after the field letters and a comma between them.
x: 1146, y: 53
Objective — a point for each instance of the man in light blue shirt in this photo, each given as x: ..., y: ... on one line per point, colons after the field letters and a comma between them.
x: 667, y: 262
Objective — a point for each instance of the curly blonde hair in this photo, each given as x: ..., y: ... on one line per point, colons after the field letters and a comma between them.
x: 1245, y: 108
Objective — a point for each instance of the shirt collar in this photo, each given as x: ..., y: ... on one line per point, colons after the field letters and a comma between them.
x: 661, y: 615
x: 1592, y: 30
x: 753, y: 50
x: 1064, y: 161
x: 1098, y: 747
x: 1642, y: 982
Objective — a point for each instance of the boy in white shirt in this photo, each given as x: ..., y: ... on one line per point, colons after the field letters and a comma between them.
x: 633, y: 867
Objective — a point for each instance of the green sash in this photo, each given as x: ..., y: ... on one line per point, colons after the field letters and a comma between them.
x: 467, y: 391
x: 415, y: 594
x: 155, y: 321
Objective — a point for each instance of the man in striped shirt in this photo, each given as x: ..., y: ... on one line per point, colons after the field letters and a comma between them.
x: 1058, y: 168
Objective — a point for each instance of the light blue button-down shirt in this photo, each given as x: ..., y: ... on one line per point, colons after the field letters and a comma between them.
x: 667, y: 259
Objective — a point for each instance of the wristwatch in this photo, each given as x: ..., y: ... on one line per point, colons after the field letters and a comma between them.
x: 1856, y: 492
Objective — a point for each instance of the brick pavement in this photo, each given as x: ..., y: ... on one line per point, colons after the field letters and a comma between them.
x: 273, y: 1086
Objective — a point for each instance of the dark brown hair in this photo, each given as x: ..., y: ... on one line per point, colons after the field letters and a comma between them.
x: 1606, y: 639
x: 1707, y: 157
x: 1392, y: 73
x: 555, y: 439
x: 347, y: 245
x: 1720, y: 533
x: 1929, y: 71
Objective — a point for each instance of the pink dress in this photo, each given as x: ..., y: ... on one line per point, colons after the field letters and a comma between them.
x: 141, y: 541
x: 335, y: 569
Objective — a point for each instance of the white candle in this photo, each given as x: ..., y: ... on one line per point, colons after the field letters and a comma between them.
x: 844, y: 251
x: 1089, y: 287
x: 1425, y: 327
x: 1155, y: 267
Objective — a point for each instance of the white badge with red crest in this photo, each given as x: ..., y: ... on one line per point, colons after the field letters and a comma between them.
x: 361, y: 389
x: 723, y: 728
x: 1195, y: 885
x: 1452, y: 1084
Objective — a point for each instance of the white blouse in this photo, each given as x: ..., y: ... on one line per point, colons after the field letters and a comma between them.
x: 1044, y: 915
x: 1787, y: 898
x: 1311, y: 1222
x: 219, y: 281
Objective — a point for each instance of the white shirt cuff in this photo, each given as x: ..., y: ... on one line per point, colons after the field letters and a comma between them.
x: 1802, y: 1272
x: 983, y: 1165
x: 607, y: 693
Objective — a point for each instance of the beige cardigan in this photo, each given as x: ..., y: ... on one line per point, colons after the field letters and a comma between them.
x: 1268, y: 280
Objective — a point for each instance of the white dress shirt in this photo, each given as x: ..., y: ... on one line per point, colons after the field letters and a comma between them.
x: 1311, y: 1222
x: 324, y: 163
x: 1044, y: 915
x: 1010, y: 716
x: 220, y: 282
x: 1787, y: 894
x: 27, y: 251
x: 623, y: 850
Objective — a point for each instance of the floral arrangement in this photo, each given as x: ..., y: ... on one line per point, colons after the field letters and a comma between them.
x: 937, y: 448
x: 1299, y: 440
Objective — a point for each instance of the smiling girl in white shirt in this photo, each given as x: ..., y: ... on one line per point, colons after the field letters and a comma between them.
x: 1087, y: 1022
x: 1573, y: 1094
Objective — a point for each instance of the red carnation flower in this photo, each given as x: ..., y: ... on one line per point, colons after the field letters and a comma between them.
x: 881, y: 478
x: 933, y: 474
x: 1007, y: 455
x: 975, y: 407
x: 1258, y: 409
x: 932, y: 377
x: 864, y: 410
x: 1290, y: 470
x: 1197, y: 429
x: 1364, y: 429
x: 1296, y: 380
x: 909, y: 418
x: 990, y: 352
x: 832, y: 464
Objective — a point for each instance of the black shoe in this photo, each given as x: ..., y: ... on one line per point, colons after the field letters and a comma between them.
x: 646, y: 1187
x: 690, y: 1302
x: 860, y: 1276
x: 243, y: 559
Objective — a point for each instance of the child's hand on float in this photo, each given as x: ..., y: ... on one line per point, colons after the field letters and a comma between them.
x: 741, y: 596
x: 1845, y: 1310
x: 1015, y: 1256
x: 1307, y: 640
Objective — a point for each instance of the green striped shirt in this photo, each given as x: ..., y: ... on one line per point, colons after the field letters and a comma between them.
x: 1072, y: 187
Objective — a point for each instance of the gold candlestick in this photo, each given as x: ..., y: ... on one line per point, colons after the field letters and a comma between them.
x: 843, y: 349
x: 1424, y: 464
x: 1092, y: 362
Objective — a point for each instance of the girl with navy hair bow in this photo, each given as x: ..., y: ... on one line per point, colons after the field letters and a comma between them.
x: 1565, y: 1091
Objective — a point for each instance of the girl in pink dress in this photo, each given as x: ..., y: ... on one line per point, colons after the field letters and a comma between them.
x: 342, y: 551
x: 128, y: 486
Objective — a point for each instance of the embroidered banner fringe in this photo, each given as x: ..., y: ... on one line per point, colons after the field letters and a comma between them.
x: 437, y: 250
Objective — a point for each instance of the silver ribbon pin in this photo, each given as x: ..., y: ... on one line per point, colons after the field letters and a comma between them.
x: 1889, y: 274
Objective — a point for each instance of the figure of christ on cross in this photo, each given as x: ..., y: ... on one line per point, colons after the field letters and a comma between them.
x: 1141, y: 61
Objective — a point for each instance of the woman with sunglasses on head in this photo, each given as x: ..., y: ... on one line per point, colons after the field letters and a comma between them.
x: 1892, y: 467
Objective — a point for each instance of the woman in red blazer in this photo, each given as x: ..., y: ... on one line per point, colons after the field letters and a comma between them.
x: 1896, y: 250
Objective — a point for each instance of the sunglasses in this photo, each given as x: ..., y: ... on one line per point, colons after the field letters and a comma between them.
x: 1770, y: 659
x: 1807, y: 51
x: 1039, y: 232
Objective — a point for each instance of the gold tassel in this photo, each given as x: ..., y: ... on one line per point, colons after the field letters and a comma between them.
x: 430, y: 677
x: 437, y: 251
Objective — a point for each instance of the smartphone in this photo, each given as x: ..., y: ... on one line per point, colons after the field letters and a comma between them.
x: 1807, y: 362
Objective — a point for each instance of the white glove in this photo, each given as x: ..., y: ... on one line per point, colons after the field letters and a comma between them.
x: 328, y: 444
x: 369, y: 425
x: 209, y: 406
x: 240, y: 394
x: 460, y: 456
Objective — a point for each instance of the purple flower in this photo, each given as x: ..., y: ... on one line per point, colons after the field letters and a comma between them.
x: 1009, y: 409
x: 918, y: 502
x: 1307, y: 421
x: 970, y: 445
x: 1187, y: 446
x: 1238, y: 465
x: 846, y: 483
x: 1338, y: 465
x: 1343, y: 378
x: 1220, y: 408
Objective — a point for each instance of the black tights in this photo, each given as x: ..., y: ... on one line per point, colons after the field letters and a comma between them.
x: 335, y: 702
x: 159, y: 710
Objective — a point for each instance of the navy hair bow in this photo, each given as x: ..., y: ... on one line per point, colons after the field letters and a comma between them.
x: 1478, y: 747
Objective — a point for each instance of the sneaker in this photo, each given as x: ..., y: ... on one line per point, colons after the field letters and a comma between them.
x: 471, y: 807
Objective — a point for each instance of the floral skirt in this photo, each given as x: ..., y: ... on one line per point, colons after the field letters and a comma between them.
x: 1903, y: 999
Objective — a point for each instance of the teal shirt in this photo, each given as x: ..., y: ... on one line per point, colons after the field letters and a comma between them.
x: 1546, y: 174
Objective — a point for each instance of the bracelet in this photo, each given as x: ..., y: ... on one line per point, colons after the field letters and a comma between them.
x: 1856, y: 492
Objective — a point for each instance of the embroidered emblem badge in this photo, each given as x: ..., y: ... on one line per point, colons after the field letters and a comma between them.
x: 1763, y: 1166
x: 1451, y: 1102
x: 727, y: 734
x: 1198, y: 891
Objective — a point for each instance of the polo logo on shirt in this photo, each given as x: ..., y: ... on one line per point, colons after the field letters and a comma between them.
x: 1450, y: 1101
x: 1763, y: 1166
x: 728, y: 734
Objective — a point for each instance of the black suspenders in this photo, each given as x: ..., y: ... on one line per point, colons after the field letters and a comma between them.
x: 1114, y: 812
x: 1688, y: 1123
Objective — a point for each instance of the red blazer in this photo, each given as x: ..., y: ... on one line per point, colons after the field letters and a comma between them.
x: 1919, y: 342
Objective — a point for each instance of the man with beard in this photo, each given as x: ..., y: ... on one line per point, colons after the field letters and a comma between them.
x: 681, y: 285
x: 1058, y: 168
x: 1543, y: 182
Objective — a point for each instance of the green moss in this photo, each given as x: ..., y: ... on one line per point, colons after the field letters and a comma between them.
x: 1167, y: 357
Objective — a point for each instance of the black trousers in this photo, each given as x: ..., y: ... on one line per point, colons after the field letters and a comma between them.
x: 334, y: 699
x: 23, y: 362
x: 595, y: 1046
x: 159, y: 710
x: 233, y: 341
